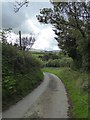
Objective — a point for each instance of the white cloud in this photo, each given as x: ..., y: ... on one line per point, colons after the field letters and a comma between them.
x: 46, y: 40
x: 44, y: 36
x: 26, y: 21
x: 11, y: 37
x: 31, y: 25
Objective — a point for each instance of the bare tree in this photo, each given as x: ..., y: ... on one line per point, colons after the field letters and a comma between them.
x: 27, y: 42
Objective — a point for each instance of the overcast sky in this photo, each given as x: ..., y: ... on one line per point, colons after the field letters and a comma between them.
x: 26, y: 21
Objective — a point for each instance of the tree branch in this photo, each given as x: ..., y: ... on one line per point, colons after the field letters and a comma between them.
x: 19, y: 5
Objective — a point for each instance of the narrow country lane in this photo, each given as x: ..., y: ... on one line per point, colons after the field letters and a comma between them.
x: 49, y: 100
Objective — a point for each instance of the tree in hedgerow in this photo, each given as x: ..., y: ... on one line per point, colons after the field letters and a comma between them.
x: 71, y: 22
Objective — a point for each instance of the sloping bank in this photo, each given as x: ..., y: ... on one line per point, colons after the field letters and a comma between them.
x: 20, y: 74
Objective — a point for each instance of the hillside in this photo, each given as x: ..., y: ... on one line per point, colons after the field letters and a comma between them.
x: 43, y: 51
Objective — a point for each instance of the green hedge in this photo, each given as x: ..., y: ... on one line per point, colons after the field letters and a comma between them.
x: 20, y: 74
x: 63, y: 62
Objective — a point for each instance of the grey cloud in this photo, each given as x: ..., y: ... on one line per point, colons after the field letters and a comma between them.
x: 10, y: 18
x: 17, y: 20
x: 0, y: 15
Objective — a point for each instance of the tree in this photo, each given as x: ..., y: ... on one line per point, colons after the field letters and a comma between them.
x: 4, y: 34
x: 70, y: 21
x: 27, y: 42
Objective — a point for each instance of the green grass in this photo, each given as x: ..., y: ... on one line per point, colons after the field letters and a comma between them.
x: 37, y: 54
x: 74, y: 81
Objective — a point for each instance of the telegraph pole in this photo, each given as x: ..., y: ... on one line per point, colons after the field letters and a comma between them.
x: 20, y: 40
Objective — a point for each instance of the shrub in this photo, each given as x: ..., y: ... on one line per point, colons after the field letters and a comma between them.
x: 20, y: 74
x: 48, y: 56
x: 53, y: 63
x: 64, y: 62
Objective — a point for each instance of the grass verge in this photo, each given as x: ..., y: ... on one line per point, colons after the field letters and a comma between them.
x: 76, y: 85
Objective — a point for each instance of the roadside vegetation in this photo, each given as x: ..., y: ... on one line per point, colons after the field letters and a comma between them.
x: 75, y: 81
x: 76, y: 84
x: 20, y: 74
x: 50, y: 59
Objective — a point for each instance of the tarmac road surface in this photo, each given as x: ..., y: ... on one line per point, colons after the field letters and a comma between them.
x: 48, y: 100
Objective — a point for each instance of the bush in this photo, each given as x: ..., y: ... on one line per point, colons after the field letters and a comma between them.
x: 64, y: 62
x: 53, y: 63
x: 48, y: 56
x: 20, y: 74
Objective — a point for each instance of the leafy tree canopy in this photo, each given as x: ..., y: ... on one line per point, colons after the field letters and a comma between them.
x: 71, y: 25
